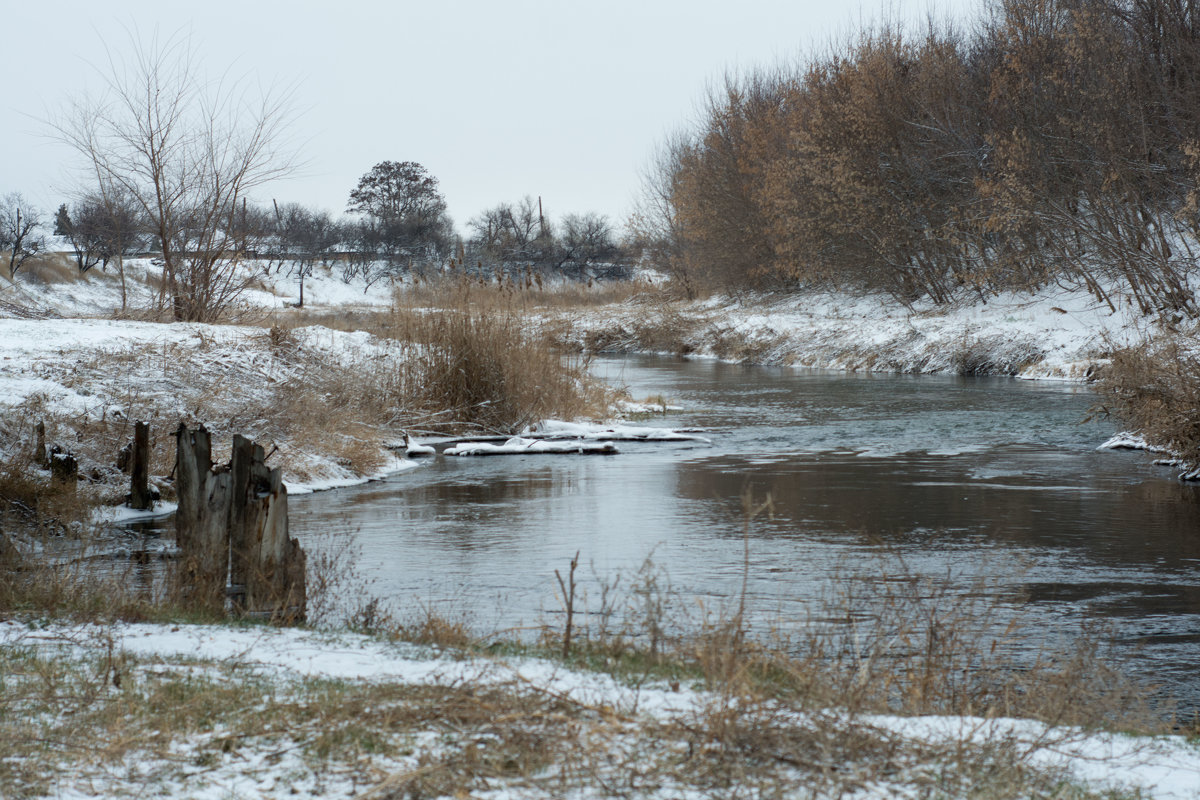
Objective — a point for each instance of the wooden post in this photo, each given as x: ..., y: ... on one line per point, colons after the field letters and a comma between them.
x: 139, y: 484
x: 201, y: 521
x: 267, y: 564
x: 39, y: 453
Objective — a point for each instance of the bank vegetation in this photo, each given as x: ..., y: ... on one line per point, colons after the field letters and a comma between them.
x: 1049, y: 142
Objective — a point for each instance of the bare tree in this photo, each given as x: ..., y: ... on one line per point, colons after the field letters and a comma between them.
x: 586, y: 239
x: 655, y: 227
x: 513, y: 234
x: 100, y: 229
x: 305, y: 237
x: 188, y: 151
x: 20, y: 224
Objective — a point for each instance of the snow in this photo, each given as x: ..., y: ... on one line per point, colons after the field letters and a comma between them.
x: 338, y: 477
x: 1162, y: 768
x: 414, y: 450
x: 272, y: 287
x: 520, y: 446
x: 560, y: 429
x: 41, y: 362
x: 121, y: 515
x: 1057, y: 334
x: 1124, y: 440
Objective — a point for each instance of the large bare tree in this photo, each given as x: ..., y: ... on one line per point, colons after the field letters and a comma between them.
x: 188, y: 150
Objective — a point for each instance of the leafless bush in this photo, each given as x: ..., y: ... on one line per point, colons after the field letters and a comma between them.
x: 1154, y: 388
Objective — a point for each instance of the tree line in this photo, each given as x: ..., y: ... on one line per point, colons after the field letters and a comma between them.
x: 1055, y: 141
x: 398, y: 225
x: 173, y: 161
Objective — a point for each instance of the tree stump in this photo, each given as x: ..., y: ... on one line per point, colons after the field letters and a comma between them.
x: 64, y: 469
x: 265, y: 560
x: 232, y: 523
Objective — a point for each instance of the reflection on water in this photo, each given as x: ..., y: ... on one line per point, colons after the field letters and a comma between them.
x: 960, y: 477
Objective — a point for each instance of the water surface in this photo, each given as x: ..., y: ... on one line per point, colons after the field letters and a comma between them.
x: 962, y: 479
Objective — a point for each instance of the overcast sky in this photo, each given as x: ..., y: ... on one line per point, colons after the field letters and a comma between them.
x: 497, y: 100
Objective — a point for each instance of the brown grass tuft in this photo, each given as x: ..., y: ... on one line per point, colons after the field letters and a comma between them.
x: 49, y: 269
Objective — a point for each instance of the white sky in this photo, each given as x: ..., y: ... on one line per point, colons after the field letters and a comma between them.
x: 501, y: 99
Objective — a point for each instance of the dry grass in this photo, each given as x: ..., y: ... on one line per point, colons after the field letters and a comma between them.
x: 527, y: 294
x: 465, y: 367
x: 472, y: 357
x: 758, y: 731
x: 48, y: 269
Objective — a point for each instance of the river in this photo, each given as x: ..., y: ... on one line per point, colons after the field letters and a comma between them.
x: 981, y: 485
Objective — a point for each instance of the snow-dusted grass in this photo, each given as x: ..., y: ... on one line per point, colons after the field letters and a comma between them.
x: 332, y: 407
x: 202, y: 711
x: 271, y: 287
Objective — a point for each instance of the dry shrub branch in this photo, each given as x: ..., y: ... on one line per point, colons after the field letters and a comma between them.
x: 1154, y: 388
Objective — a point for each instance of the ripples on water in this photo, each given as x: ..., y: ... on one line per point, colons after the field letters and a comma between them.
x: 956, y: 478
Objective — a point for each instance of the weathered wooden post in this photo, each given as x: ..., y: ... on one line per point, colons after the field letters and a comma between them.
x: 266, y: 562
x: 232, y: 526
x: 202, y: 520
x: 139, y: 483
x: 39, y: 452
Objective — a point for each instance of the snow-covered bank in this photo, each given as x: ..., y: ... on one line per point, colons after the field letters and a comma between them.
x: 613, y: 726
x: 1056, y: 334
x: 270, y: 287
x: 90, y: 378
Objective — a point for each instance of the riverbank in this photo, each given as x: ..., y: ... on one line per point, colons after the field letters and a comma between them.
x: 1053, y: 335
x: 334, y: 405
x: 1145, y: 367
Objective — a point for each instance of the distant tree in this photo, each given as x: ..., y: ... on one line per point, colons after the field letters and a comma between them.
x: 656, y: 231
x: 67, y: 228
x: 100, y: 229
x: 306, y: 236
x: 587, y: 239
x: 405, y: 210
x: 513, y: 235
x: 20, y: 224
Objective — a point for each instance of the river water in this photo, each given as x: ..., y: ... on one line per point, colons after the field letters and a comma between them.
x: 986, y: 485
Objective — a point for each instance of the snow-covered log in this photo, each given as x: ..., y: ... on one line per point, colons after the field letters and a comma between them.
x: 519, y: 446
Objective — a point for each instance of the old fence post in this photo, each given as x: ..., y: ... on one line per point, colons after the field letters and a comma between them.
x: 233, y: 523
x: 139, y: 483
x: 202, y: 520
x: 39, y: 447
x: 64, y: 468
